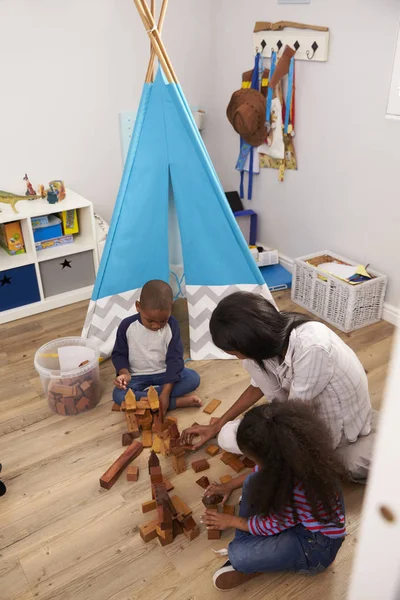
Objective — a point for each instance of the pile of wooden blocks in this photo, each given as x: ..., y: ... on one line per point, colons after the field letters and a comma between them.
x: 145, y: 418
x: 73, y: 396
x: 173, y: 515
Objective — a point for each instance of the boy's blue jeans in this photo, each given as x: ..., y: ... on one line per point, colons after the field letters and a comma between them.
x: 295, y: 549
x: 190, y: 381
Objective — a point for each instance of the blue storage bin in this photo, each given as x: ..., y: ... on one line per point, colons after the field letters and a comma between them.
x: 47, y: 232
x: 18, y: 287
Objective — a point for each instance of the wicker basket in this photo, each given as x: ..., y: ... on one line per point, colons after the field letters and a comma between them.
x: 347, y: 307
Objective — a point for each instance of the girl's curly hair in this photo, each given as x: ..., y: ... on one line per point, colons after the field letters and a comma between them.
x: 290, y: 444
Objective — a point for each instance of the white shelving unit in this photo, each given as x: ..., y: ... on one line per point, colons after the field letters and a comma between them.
x: 55, y: 286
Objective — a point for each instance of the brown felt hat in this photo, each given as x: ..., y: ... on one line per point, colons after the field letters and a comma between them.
x: 246, y: 113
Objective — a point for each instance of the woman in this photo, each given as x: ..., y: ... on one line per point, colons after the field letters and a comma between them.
x: 288, y: 356
x: 291, y: 515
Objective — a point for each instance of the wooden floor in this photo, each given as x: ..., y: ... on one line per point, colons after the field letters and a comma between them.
x: 63, y: 537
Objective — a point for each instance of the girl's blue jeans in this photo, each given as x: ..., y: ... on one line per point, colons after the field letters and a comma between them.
x: 189, y: 381
x: 295, y: 549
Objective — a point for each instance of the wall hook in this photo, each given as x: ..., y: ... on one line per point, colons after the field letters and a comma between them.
x: 314, y: 49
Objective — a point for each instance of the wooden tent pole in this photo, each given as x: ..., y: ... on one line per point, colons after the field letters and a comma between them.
x: 153, y: 14
x: 150, y: 68
x: 155, y: 39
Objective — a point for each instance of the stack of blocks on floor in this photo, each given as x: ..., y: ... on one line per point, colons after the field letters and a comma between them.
x: 173, y: 515
x: 145, y: 418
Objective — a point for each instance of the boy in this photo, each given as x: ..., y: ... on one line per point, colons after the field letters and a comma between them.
x: 148, y: 352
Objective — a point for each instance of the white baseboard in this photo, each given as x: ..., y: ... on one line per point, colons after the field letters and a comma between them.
x: 391, y: 313
x: 286, y: 262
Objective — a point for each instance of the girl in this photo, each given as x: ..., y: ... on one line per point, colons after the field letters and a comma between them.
x: 289, y: 356
x: 291, y: 515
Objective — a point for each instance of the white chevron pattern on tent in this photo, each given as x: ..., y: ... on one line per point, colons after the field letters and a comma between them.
x: 105, y: 315
x: 202, y: 300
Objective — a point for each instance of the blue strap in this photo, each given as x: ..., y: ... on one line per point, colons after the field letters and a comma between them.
x: 289, y: 95
x: 241, y: 184
x: 246, y: 149
x: 270, y: 90
x: 250, y: 188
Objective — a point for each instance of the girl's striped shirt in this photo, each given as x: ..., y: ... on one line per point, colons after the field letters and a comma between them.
x: 276, y: 523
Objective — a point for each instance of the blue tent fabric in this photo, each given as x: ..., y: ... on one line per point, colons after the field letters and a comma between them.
x: 167, y: 153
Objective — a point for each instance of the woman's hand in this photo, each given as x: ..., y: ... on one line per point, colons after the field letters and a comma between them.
x: 222, y: 489
x: 122, y: 381
x: 215, y: 520
x: 204, y: 432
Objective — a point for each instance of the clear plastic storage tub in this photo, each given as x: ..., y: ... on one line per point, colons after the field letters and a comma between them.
x: 70, y: 376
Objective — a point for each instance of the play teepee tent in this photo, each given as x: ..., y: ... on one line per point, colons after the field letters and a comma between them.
x: 168, y: 167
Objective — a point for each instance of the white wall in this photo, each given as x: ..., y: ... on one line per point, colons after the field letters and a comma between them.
x: 345, y: 195
x: 67, y: 68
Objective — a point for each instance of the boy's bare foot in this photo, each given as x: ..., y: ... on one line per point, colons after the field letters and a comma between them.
x: 189, y: 400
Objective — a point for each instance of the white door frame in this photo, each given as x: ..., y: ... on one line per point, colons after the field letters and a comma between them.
x: 376, y: 572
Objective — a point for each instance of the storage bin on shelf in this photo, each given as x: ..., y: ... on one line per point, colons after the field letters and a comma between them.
x: 75, y: 390
x: 346, y: 306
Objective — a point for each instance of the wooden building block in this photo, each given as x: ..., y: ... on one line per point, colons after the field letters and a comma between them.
x: 236, y: 464
x: 108, y: 479
x: 69, y: 404
x: 130, y: 400
x: 200, y: 465
x: 140, y: 412
x: 64, y: 390
x: 212, y: 450
x: 143, y: 403
x: 156, y: 444
x: 233, y: 461
x: 86, y: 385
x: 148, y: 531
x: 174, y: 432
x: 153, y: 460
x: 148, y: 506
x: 211, y: 406
x: 228, y: 509
x: 180, y: 506
x: 166, y: 538
x: 248, y: 463
x: 170, y: 420
x: 225, y: 478
x: 115, y: 407
x: 192, y: 533
x: 127, y: 438
x: 168, y: 484
x: 152, y: 398
x: 203, y: 482
x: 82, y: 404
x: 132, y: 473
x: 131, y: 422
x: 123, y: 406
x: 147, y: 439
x: 177, y: 529
x: 213, y: 534
x: 156, y: 475
x: 146, y: 422
x: 179, y: 463
x: 60, y: 408
x: 188, y: 523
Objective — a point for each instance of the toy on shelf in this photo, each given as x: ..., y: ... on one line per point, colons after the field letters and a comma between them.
x: 29, y: 188
x: 173, y: 515
x: 12, y: 199
x: 11, y: 238
x: 56, y: 191
x: 69, y: 222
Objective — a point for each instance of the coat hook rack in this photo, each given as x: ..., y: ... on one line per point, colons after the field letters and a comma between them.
x: 305, y: 39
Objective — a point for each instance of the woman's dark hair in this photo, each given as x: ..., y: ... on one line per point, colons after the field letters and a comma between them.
x: 248, y: 323
x: 291, y: 444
